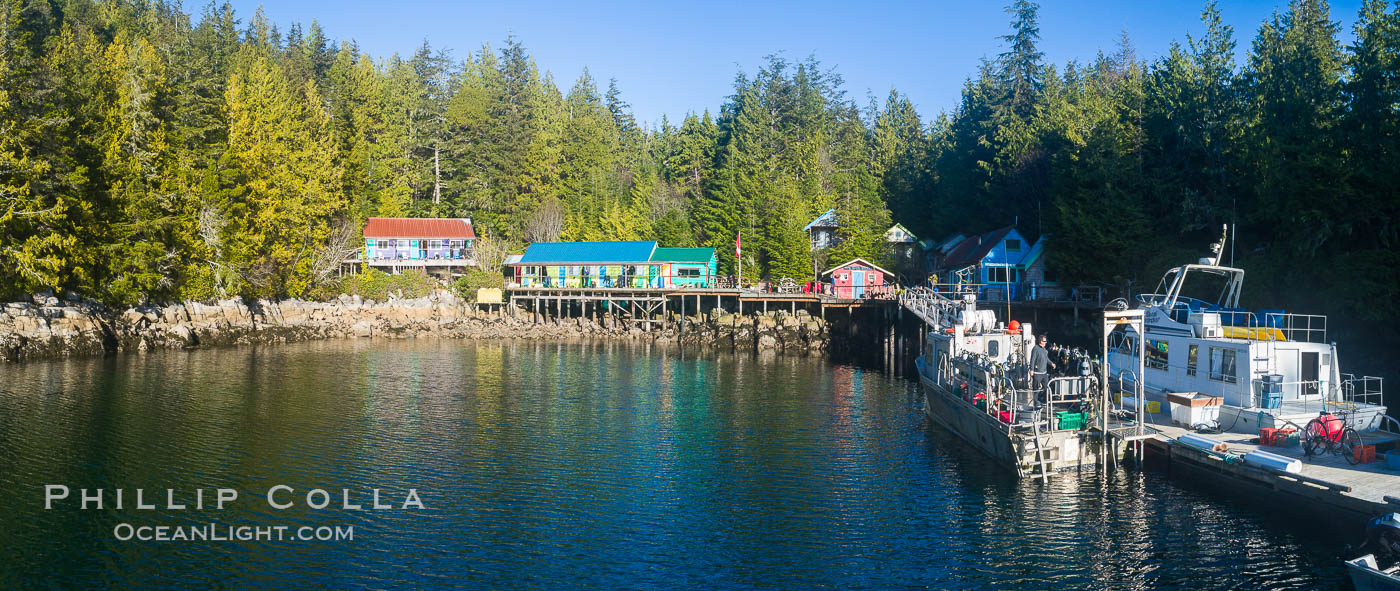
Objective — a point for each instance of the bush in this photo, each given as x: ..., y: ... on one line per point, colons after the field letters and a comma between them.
x: 466, y: 286
x: 377, y: 285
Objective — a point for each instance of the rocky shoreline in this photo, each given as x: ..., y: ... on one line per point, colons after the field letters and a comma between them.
x: 49, y: 328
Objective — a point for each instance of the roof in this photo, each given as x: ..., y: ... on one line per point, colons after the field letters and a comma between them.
x: 419, y: 228
x: 972, y: 250
x: 574, y: 253
x: 1037, y: 249
x: 900, y: 227
x: 826, y: 220
x: 512, y: 259
x: 857, y: 260
x: 948, y: 244
x: 682, y: 255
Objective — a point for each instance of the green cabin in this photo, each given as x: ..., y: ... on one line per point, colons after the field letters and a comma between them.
x: 686, y: 267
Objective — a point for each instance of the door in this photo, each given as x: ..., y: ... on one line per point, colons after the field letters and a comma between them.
x: 857, y: 283
x: 1308, y: 373
x: 1286, y: 361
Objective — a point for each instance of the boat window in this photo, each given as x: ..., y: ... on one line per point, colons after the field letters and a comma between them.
x: 1191, y: 360
x: 1156, y: 354
x: 993, y: 348
x: 1222, y: 365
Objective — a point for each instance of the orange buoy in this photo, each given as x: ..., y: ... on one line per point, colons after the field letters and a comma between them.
x: 1013, y: 327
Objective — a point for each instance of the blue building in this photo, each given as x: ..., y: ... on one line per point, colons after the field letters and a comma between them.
x: 999, y: 263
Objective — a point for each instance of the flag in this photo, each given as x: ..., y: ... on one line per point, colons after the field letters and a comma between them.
x: 737, y: 249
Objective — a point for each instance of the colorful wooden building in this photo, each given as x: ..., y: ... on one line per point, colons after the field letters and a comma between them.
x: 636, y: 264
x: 688, y: 267
x: 858, y: 278
x: 822, y: 231
x: 1001, y: 264
x: 433, y: 244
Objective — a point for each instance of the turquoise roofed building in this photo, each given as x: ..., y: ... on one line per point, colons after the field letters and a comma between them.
x: 635, y: 264
x: 686, y: 267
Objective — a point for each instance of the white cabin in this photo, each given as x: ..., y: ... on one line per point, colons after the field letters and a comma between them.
x: 1218, y: 348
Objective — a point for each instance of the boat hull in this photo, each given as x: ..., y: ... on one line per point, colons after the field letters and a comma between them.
x: 1009, y: 448
x: 1366, y: 577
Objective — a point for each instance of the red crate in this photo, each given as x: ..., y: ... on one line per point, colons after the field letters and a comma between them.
x: 1364, y: 454
x: 1268, y: 436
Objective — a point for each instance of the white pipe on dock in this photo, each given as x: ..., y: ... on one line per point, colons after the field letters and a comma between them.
x: 1273, y: 461
x: 1201, y: 442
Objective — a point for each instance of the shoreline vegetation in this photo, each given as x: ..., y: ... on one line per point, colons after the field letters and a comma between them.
x: 152, y: 155
x: 50, y: 328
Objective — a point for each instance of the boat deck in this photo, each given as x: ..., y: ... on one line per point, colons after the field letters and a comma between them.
x: 1366, y: 489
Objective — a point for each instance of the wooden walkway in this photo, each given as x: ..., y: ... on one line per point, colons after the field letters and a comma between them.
x: 1358, y: 492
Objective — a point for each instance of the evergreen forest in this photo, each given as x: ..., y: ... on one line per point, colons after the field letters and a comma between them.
x: 148, y: 155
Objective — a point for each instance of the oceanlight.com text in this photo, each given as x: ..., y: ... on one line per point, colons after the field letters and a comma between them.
x: 214, y: 532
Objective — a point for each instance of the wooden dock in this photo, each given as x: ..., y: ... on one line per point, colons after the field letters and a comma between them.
x: 650, y: 308
x: 1327, y: 483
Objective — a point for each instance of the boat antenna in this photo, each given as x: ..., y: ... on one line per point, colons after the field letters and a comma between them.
x: 1232, y: 243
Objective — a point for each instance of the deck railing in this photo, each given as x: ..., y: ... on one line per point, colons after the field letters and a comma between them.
x: 1363, y: 389
x: 1306, y: 328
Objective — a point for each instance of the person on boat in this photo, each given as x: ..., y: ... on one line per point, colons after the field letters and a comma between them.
x: 1040, y: 368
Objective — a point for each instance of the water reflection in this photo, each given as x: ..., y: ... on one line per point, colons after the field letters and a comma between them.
x: 581, y: 465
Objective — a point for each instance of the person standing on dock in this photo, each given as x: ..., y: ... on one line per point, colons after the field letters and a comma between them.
x: 1040, y: 368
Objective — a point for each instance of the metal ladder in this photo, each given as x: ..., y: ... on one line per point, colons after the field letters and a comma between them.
x: 1040, y: 452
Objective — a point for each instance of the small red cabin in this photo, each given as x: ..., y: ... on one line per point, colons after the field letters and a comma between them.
x: 857, y: 278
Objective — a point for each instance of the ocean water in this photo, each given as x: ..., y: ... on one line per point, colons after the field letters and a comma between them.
x: 574, y: 466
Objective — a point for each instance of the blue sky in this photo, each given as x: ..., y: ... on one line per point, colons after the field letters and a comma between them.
x: 674, y: 57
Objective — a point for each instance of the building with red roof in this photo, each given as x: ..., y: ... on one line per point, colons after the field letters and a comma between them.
x: 434, y: 244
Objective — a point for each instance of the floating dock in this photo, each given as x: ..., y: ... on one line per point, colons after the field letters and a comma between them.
x: 1352, y: 492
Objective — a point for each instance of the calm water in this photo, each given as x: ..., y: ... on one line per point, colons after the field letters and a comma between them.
x: 578, y: 466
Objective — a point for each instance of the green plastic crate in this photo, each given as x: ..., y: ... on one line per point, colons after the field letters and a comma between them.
x: 1069, y: 420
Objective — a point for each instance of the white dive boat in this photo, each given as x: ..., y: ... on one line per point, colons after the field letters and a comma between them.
x: 974, y: 375
x: 1273, y: 369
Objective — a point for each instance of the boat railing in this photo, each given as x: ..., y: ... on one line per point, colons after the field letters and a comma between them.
x: 1363, y: 389
x: 1152, y: 299
x: 1306, y: 328
x: 1067, y: 394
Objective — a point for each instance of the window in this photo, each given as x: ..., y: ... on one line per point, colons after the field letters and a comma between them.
x: 688, y: 273
x: 1191, y: 360
x: 1013, y: 246
x: 996, y: 275
x: 841, y: 276
x: 434, y: 244
x: 993, y: 348
x: 1156, y: 354
x: 1222, y: 365
x: 1050, y: 275
x: 386, y: 243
